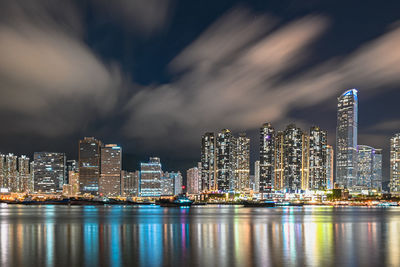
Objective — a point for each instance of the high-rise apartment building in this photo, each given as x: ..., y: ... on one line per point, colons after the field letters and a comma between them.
x: 279, y: 161
x: 369, y: 168
x: 346, y: 139
x: 267, y: 158
x: 226, y: 161
x: 110, y: 174
x: 177, y: 177
x: 89, y: 165
x: 394, y: 184
x: 317, y: 159
x: 208, y: 162
x: 193, y: 176
x: 23, y: 174
x: 11, y: 173
x: 242, y: 171
x: 49, y: 172
x: 2, y: 170
x: 256, y: 185
x: 150, y: 178
x: 329, y: 167
x: 167, y: 184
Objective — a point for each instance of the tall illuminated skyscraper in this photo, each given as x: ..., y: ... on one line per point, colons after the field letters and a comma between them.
x: 2, y: 170
x: 208, y: 162
x: 256, y: 187
x: 130, y: 185
x: 317, y: 159
x: 49, y: 172
x: 89, y: 165
x: 150, y: 178
x: 226, y: 160
x: 242, y: 171
x: 110, y: 177
x: 329, y: 167
x: 279, y: 158
x: 193, y: 176
x: 267, y: 158
x: 346, y: 139
x: 395, y: 164
x: 11, y: 173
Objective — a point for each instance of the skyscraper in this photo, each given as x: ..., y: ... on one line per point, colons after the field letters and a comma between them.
x: 395, y: 164
x: 267, y: 158
x: 130, y: 185
x: 293, y: 158
x: 11, y: 173
x: 167, y: 184
x: 193, y: 176
x: 317, y: 159
x: 49, y: 172
x: 369, y: 168
x: 150, y: 178
x: 177, y: 176
x: 242, y: 171
x: 346, y: 139
x: 24, y: 174
x: 110, y: 176
x: 329, y: 167
x: 208, y: 162
x: 2, y: 170
x: 89, y: 165
x: 279, y: 161
x: 226, y: 160
x: 256, y: 187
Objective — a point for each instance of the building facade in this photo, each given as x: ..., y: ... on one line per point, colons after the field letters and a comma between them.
x: 369, y: 168
x: 49, y: 172
x: 130, y: 184
x: 242, y: 171
x: 346, y: 139
x: 329, y: 167
x: 150, y: 178
x: 226, y: 161
x: 267, y: 158
x: 394, y: 184
x: 208, y: 162
x: 23, y: 174
x: 89, y: 165
x: 110, y: 174
x: 317, y: 179
x: 193, y: 176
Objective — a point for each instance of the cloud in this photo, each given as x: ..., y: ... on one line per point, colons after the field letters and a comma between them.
x: 229, y: 79
x: 147, y: 17
x: 51, y: 81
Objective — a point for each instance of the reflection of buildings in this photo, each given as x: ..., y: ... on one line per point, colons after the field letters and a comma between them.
x: 395, y: 164
x: 110, y: 177
x: 49, y: 172
x: 346, y: 139
x: 369, y: 168
x: 89, y: 165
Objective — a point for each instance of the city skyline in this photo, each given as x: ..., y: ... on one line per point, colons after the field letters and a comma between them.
x: 120, y: 78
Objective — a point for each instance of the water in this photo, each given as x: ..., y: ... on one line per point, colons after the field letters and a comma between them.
x: 198, y: 236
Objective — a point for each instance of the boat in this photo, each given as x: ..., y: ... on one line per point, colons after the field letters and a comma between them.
x: 289, y: 204
x: 179, y: 201
x: 251, y: 204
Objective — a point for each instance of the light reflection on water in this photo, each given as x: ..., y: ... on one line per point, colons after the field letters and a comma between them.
x: 199, y: 236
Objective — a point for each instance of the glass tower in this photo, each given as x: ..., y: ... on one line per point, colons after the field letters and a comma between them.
x: 346, y: 139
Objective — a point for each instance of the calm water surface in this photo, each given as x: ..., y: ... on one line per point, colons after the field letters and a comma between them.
x: 198, y: 236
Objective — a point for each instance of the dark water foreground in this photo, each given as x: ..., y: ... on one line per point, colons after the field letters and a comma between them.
x: 198, y: 236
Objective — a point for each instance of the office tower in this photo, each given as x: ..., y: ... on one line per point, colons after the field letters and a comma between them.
x: 267, y: 158
x: 369, y: 168
x: 395, y: 164
x: 293, y: 158
x: 329, y: 167
x: 11, y: 173
x: 193, y: 176
x: 208, y: 162
x: 167, y: 185
x: 317, y: 179
x: 177, y: 177
x: 24, y: 174
x: 2, y: 170
x: 110, y: 171
x: 89, y: 165
x: 130, y: 187
x: 256, y: 187
x: 150, y: 178
x: 279, y: 162
x: 226, y: 160
x: 32, y: 177
x: 346, y: 139
x: 49, y: 172
x: 242, y: 171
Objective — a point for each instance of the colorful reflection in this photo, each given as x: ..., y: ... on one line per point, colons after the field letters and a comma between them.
x: 200, y: 236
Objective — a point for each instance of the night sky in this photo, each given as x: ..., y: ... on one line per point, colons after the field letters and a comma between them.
x: 153, y: 76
